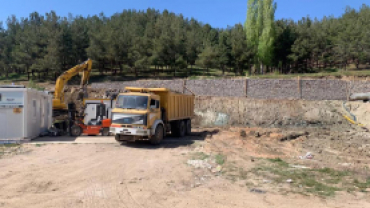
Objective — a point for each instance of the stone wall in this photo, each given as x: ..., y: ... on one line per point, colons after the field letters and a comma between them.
x: 359, y: 86
x: 273, y: 89
x: 324, y: 90
x: 289, y: 89
x: 175, y: 85
x: 217, y: 87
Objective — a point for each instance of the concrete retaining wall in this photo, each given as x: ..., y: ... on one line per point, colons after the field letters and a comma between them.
x: 228, y: 111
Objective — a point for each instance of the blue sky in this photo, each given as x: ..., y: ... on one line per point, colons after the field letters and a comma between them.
x: 218, y: 13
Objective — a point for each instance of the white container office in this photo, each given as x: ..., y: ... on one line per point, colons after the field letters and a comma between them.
x: 24, y: 112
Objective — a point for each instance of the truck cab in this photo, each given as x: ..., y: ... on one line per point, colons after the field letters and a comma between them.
x: 149, y: 113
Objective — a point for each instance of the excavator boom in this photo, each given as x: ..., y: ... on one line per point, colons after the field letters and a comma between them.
x: 85, y: 68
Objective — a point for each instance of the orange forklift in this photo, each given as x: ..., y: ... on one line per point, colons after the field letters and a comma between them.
x: 94, y: 127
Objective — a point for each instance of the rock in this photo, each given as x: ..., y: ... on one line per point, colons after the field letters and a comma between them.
x: 259, y: 191
x: 257, y: 134
x: 217, y: 169
x: 289, y: 181
x: 197, y: 184
x: 199, y: 164
x: 293, y: 135
x: 121, y: 182
x: 243, y: 133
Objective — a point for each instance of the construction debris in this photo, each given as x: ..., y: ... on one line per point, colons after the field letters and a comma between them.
x: 308, y: 156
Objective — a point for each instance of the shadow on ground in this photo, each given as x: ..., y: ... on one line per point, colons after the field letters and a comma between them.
x: 174, y: 142
x: 55, y: 139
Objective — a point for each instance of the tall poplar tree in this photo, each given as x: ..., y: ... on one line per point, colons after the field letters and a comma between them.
x: 260, y: 30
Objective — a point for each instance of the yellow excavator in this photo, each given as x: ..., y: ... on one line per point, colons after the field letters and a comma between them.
x: 59, y: 104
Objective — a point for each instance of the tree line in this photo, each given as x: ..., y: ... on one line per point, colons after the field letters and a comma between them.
x: 152, y: 41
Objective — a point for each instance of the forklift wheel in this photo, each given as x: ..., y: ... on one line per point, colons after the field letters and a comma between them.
x: 105, y: 132
x: 76, y: 130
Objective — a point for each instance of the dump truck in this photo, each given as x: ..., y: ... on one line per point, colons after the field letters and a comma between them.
x: 150, y: 114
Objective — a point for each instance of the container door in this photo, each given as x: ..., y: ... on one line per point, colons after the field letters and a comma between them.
x: 11, y: 123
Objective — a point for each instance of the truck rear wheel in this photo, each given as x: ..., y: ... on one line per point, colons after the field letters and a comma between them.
x: 182, y: 129
x: 188, y: 127
x: 158, y: 135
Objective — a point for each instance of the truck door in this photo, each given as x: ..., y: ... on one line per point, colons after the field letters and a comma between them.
x: 155, y: 112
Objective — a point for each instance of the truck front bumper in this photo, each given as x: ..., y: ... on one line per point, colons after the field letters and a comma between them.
x: 130, y: 131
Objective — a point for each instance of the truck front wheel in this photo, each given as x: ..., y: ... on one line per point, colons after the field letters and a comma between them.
x: 158, y: 136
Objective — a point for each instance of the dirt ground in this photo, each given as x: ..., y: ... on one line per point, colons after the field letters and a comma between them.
x: 101, y: 173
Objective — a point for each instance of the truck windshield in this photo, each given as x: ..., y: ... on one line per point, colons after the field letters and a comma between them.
x: 132, y: 102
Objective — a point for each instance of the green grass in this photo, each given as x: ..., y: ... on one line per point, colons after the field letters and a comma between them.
x: 319, y: 74
x: 189, y: 73
x: 200, y: 156
x: 362, y: 186
x: 321, y: 182
x: 14, y: 77
x: 9, y: 145
x: 279, y: 162
x: 220, y: 159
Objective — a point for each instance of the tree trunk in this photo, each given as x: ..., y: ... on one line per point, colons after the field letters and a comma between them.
x: 120, y: 68
x: 317, y: 63
x: 357, y: 64
x: 261, y: 68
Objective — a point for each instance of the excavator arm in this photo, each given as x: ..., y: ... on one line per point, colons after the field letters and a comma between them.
x: 85, y: 68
